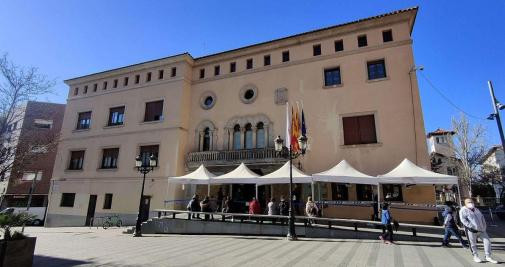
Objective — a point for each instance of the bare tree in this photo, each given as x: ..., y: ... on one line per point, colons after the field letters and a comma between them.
x: 17, y: 86
x: 469, y: 148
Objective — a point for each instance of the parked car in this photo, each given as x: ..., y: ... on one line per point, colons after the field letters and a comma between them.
x: 38, y: 212
x: 500, y: 212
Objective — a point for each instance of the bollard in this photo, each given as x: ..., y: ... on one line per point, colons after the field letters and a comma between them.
x: 173, y: 215
x: 159, y: 214
x: 414, y: 231
x: 223, y: 217
x: 329, y: 224
x: 355, y: 227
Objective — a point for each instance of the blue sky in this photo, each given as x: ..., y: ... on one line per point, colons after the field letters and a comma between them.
x: 459, y: 43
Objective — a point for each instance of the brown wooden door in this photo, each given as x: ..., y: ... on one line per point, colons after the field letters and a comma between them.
x: 91, y: 210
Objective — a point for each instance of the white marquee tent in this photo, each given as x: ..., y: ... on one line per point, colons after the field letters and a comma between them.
x: 240, y: 175
x: 409, y: 173
x: 198, y: 176
x: 344, y: 173
x: 281, y: 176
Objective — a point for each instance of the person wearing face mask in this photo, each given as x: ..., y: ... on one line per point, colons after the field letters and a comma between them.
x: 475, y: 224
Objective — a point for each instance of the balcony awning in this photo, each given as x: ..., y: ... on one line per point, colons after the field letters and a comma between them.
x: 409, y: 173
x: 240, y: 175
x: 198, y: 176
x: 281, y: 176
x: 344, y: 173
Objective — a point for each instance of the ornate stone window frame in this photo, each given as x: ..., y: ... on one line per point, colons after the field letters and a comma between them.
x: 244, y: 89
x: 204, y: 96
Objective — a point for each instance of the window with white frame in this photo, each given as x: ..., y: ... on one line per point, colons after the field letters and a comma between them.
x: 29, y: 176
x: 43, y: 124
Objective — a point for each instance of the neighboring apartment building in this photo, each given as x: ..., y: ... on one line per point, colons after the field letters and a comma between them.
x: 355, y: 81
x: 39, y: 125
x: 443, y: 160
x: 494, y: 163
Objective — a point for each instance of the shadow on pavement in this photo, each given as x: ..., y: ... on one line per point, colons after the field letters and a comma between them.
x: 40, y: 260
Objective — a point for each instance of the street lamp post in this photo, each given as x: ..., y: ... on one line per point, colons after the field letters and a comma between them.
x: 144, y: 167
x: 280, y: 148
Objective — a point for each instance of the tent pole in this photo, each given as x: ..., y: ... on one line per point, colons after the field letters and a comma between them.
x: 378, y: 198
x: 312, y: 190
x: 459, y: 195
x: 208, y: 190
x: 256, y: 191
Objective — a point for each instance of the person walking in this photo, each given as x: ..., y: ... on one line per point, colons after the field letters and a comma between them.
x: 194, y: 206
x: 205, y: 207
x: 273, y: 208
x: 283, y: 208
x: 387, y: 228
x: 226, y: 204
x: 254, y: 206
x: 311, y: 209
x: 450, y: 226
x: 475, y: 225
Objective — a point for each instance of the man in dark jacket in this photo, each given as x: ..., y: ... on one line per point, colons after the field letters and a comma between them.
x: 450, y: 226
x: 194, y: 205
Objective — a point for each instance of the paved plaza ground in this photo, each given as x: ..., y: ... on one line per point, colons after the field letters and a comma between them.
x: 83, y: 246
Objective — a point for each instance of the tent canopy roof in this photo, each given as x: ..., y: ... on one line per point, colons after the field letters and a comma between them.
x: 409, y: 173
x: 343, y: 172
x: 281, y: 176
x: 198, y: 176
x: 240, y: 175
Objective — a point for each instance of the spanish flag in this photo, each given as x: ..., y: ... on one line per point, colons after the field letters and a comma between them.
x: 295, y: 130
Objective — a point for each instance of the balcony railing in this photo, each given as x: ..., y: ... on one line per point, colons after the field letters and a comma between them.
x: 233, y: 157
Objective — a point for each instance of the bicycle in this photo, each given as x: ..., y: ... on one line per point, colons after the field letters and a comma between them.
x: 113, y: 220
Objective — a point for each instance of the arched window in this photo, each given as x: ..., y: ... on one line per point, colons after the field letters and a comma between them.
x: 260, y: 135
x: 206, y: 139
x: 248, y: 142
x: 236, y: 137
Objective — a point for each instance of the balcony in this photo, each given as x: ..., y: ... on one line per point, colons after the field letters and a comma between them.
x: 260, y: 156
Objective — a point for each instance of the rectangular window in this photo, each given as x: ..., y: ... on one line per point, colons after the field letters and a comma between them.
x: 332, y: 76
x: 217, y: 69
x: 104, y: 86
x: 39, y: 149
x: 43, y: 124
x: 109, y: 158
x: 76, y: 160
x: 95, y: 87
x: 137, y: 79
x: 148, y: 77
x: 387, y: 36
x: 362, y: 41
x: 114, y: 84
x: 376, y: 69
x: 339, y: 45
x: 249, y: 64
x: 154, y: 111
x: 125, y: 81
x: 233, y: 66
x: 202, y: 73
x: 339, y: 192
x: 83, y: 120
x: 392, y: 192
x: 76, y: 91
x: 107, y: 202
x: 116, y: 116
x: 364, y: 192
x: 29, y: 176
x: 359, y: 130
x: 85, y: 89
x: 316, y: 50
x: 266, y: 60
x: 67, y: 200
x: 173, y: 72
x: 285, y: 56
x: 147, y: 151
x: 160, y: 74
